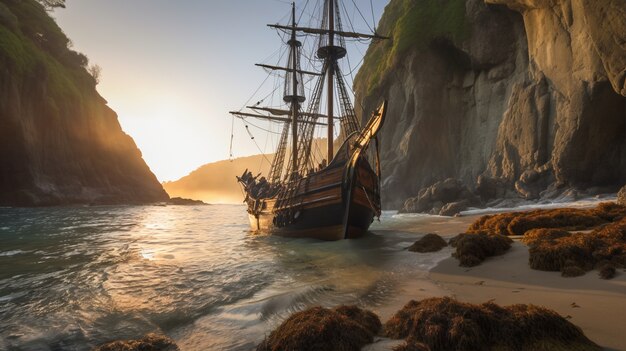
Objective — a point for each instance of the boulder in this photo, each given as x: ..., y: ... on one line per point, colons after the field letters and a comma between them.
x: 490, y: 188
x: 446, y: 198
x: 621, y: 196
x: 454, y: 208
x: 185, y: 202
x: 533, y: 181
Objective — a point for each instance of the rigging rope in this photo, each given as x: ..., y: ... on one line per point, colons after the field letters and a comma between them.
x: 373, y: 17
x: 232, y: 136
x: 363, y: 17
x: 257, y: 145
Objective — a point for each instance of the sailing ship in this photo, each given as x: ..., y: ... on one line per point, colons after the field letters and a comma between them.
x: 333, y: 196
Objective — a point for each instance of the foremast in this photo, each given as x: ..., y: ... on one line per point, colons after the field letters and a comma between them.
x: 293, y: 95
x: 294, y: 99
x: 331, y: 53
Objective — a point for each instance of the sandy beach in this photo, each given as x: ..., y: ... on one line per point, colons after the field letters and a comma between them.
x: 597, y: 306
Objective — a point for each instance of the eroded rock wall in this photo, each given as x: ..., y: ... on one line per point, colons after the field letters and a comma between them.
x: 532, y: 94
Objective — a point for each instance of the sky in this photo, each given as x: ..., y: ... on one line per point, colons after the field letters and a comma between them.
x: 173, y: 69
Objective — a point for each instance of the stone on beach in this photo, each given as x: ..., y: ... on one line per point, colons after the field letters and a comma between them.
x: 445, y: 198
x: 185, y: 202
x: 621, y: 196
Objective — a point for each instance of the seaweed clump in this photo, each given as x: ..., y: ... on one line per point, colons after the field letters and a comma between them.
x: 519, y: 223
x: 412, y: 345
x: 473, y: 249
x: 342, y: 328
x: 428, y: 243
x: 446, y: 324
x: 607, y: 271
x: 151, y: 342
x: 574, y: 254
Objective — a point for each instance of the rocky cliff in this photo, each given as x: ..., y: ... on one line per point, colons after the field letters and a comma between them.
x: 526, y: 94
x: 59, y: 142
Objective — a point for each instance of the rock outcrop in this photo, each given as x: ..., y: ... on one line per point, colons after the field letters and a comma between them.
x: 528, y: 94
x: 621, y: 196
x: 445, y: 198
x: 59, y: 141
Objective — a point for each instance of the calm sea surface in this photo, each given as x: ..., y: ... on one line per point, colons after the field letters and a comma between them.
x: 73, y: 278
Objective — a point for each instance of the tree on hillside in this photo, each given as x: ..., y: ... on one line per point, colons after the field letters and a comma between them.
x: 96, y: 72
x: 50, y: 4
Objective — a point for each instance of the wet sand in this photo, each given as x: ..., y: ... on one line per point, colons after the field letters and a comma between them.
x: 597, y: 306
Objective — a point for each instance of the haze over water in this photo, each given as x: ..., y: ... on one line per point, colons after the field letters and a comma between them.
x: 73, y: 278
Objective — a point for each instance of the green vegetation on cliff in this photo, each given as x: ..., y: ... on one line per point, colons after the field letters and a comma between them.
x: 411, y: 24
x: 33, y: 46
x: 59, y: 141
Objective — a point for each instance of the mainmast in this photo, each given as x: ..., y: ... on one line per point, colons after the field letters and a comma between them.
x: 293, y: 43
x: 331, y: 53
x: 331, y: 72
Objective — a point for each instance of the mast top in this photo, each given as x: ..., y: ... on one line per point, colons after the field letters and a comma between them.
x: 293, y: 91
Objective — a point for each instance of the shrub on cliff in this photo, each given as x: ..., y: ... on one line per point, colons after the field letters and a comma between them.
x: 342, y: 328
x: 38, y: 47
x: 447, y: 324
x: 428, y: 243
x: 473, y: 249
x: 412, y: 25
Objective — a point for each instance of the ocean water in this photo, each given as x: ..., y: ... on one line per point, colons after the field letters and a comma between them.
x: 74, y: 278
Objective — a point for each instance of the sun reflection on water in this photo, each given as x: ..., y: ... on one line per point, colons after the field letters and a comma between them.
x: 194, y: 273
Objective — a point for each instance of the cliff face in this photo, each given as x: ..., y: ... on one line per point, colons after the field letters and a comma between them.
x: 531, y: 94
x: 59, y: 142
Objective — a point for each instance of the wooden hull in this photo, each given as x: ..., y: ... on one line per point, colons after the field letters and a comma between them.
x: 318, y: 207
x: 337, y: 202
x: 324, y: 222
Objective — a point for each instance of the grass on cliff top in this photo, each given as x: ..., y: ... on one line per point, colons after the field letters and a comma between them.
x: 412, y: 25
x: 33, y: 46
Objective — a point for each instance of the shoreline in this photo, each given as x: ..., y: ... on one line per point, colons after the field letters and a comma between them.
x: 595, y: 305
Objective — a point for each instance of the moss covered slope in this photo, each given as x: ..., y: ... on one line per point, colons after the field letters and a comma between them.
x: 411, y: 25
x: 59, y: 142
